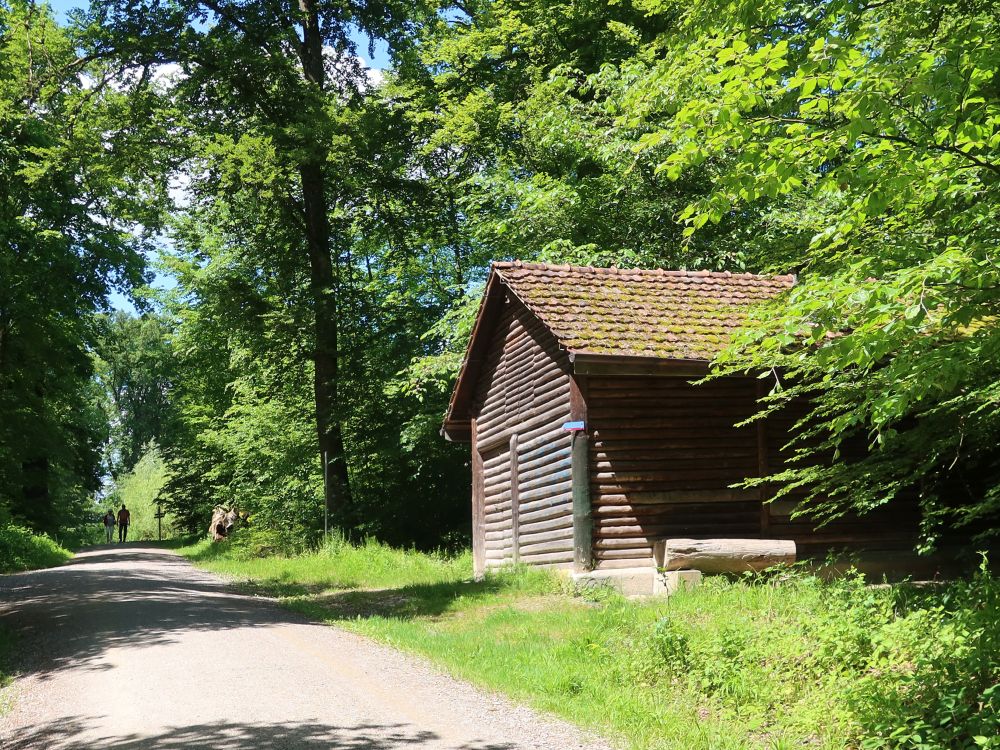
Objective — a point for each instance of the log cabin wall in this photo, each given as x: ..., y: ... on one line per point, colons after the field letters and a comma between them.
x: 522, y: 493
x: 663, y: 454
x: 894, y: 528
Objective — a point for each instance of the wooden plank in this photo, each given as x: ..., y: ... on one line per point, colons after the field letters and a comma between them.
x: 656, y: 497
x: 762, y: 463
x: 645, y: 553
x: 543, y: 495
x: 514, y: 487
x: 628, y: 562
x: 561, y: 521
x: 637, y: 530
x: 583, y: 549
x: 550, y: 545
x: 478, y: 510
x: 550, y: 558
x: 638, y: 542
x: 556, y: 511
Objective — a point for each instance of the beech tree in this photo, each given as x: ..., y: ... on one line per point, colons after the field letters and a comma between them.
x: 284, y: 73
x: 74, y: 198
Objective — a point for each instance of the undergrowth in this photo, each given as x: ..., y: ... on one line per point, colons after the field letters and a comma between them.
x: 766, y: 663
x: 21, y: 550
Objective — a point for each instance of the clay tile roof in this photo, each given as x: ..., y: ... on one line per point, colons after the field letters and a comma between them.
x: 639, y: 313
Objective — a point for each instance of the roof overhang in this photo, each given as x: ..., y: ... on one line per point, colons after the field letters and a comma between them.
x: 457, y: 425
x: 595, y: 363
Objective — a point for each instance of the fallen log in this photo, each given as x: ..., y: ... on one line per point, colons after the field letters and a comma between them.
x: 722, y: 555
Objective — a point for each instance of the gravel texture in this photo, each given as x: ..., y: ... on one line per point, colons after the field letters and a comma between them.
x: 131, y: 647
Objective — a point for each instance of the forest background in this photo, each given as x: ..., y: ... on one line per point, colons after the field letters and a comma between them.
x: 326, y: 229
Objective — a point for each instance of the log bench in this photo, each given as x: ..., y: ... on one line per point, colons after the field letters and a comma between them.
x: 722, y: 555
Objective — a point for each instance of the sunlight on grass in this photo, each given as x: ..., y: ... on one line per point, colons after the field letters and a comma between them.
x: 336, y: 565
x: 762, y: 663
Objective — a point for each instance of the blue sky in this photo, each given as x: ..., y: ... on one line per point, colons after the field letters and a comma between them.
x: 379, y: 60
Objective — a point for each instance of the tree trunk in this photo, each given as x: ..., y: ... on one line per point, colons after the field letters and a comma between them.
x: 323, y: 282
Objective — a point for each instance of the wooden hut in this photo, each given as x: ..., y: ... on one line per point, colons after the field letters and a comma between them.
x: 589, y: 440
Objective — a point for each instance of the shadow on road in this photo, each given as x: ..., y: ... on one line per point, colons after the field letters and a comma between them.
x: 71, y: 615
x: 230, y: 736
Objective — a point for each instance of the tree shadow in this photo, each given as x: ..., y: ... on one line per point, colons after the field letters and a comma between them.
x: 71, y: 615
x: 406, y: 602
x: 78, y: 733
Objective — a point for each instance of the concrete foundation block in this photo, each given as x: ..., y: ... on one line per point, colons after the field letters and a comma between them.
x: 671, y: 581
x: 629, y: 581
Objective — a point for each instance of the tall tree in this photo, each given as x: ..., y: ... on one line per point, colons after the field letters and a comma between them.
x: 285, y: 72
x: 71, y: 194
x: 135, y: 368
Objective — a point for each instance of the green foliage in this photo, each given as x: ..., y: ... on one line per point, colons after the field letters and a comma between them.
x: 136, y: 370
x: 867, y: 135
x: 20, y: 550
x: 69, y: 208
x: 139, y: 490
x: 335, y: 564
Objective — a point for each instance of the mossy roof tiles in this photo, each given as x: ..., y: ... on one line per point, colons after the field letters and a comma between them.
x: 639, y: 313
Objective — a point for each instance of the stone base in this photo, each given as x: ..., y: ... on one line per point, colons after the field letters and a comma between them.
x: 644, y: 581
x: 668, y: 582
x: 629, y: 581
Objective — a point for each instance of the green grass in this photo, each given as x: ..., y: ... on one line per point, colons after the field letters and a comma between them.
x: 766, y: 663
x: 21, y: 550
x: 336, y: 566
x: 7, y: 644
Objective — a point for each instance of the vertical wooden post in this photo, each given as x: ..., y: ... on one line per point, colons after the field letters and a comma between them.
x: 583, y: 541
x: 760, y: 391
x: 515, y: 511
x: 326, y: 496
x: 478, y: 508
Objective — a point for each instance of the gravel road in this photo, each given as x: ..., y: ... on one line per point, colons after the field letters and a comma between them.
x: 131, y: 647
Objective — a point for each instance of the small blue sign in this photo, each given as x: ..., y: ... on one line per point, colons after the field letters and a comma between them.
x: 573, y: 426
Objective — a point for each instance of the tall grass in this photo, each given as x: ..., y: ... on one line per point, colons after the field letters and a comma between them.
x: 20, y: 550
x: 335, y: 565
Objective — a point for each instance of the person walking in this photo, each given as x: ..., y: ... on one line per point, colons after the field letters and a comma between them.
x: 123, y: 519
x: 109, y: 526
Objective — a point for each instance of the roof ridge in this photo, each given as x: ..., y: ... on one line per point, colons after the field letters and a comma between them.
x: 501, y: 266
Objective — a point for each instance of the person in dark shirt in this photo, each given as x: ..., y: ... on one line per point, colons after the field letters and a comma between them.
x: 123, y: 519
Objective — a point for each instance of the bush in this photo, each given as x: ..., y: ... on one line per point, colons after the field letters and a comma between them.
x: 22, y: 550
x: 877, y: 667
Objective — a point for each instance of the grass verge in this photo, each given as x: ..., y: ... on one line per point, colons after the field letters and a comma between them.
x: 763, y: 664
x: 7, y: 645
x: 21, y: 550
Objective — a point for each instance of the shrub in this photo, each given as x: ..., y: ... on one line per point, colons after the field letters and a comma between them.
x: 22, y: 550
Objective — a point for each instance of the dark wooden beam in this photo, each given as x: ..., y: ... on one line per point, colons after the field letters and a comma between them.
x: 583, y: 524
x: 478, y: 509
x: 600, y: 364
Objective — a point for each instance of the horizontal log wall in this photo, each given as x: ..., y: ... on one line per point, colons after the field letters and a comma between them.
x: 662, y: 456
x: 524, y: 392
x: 894, y: 527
